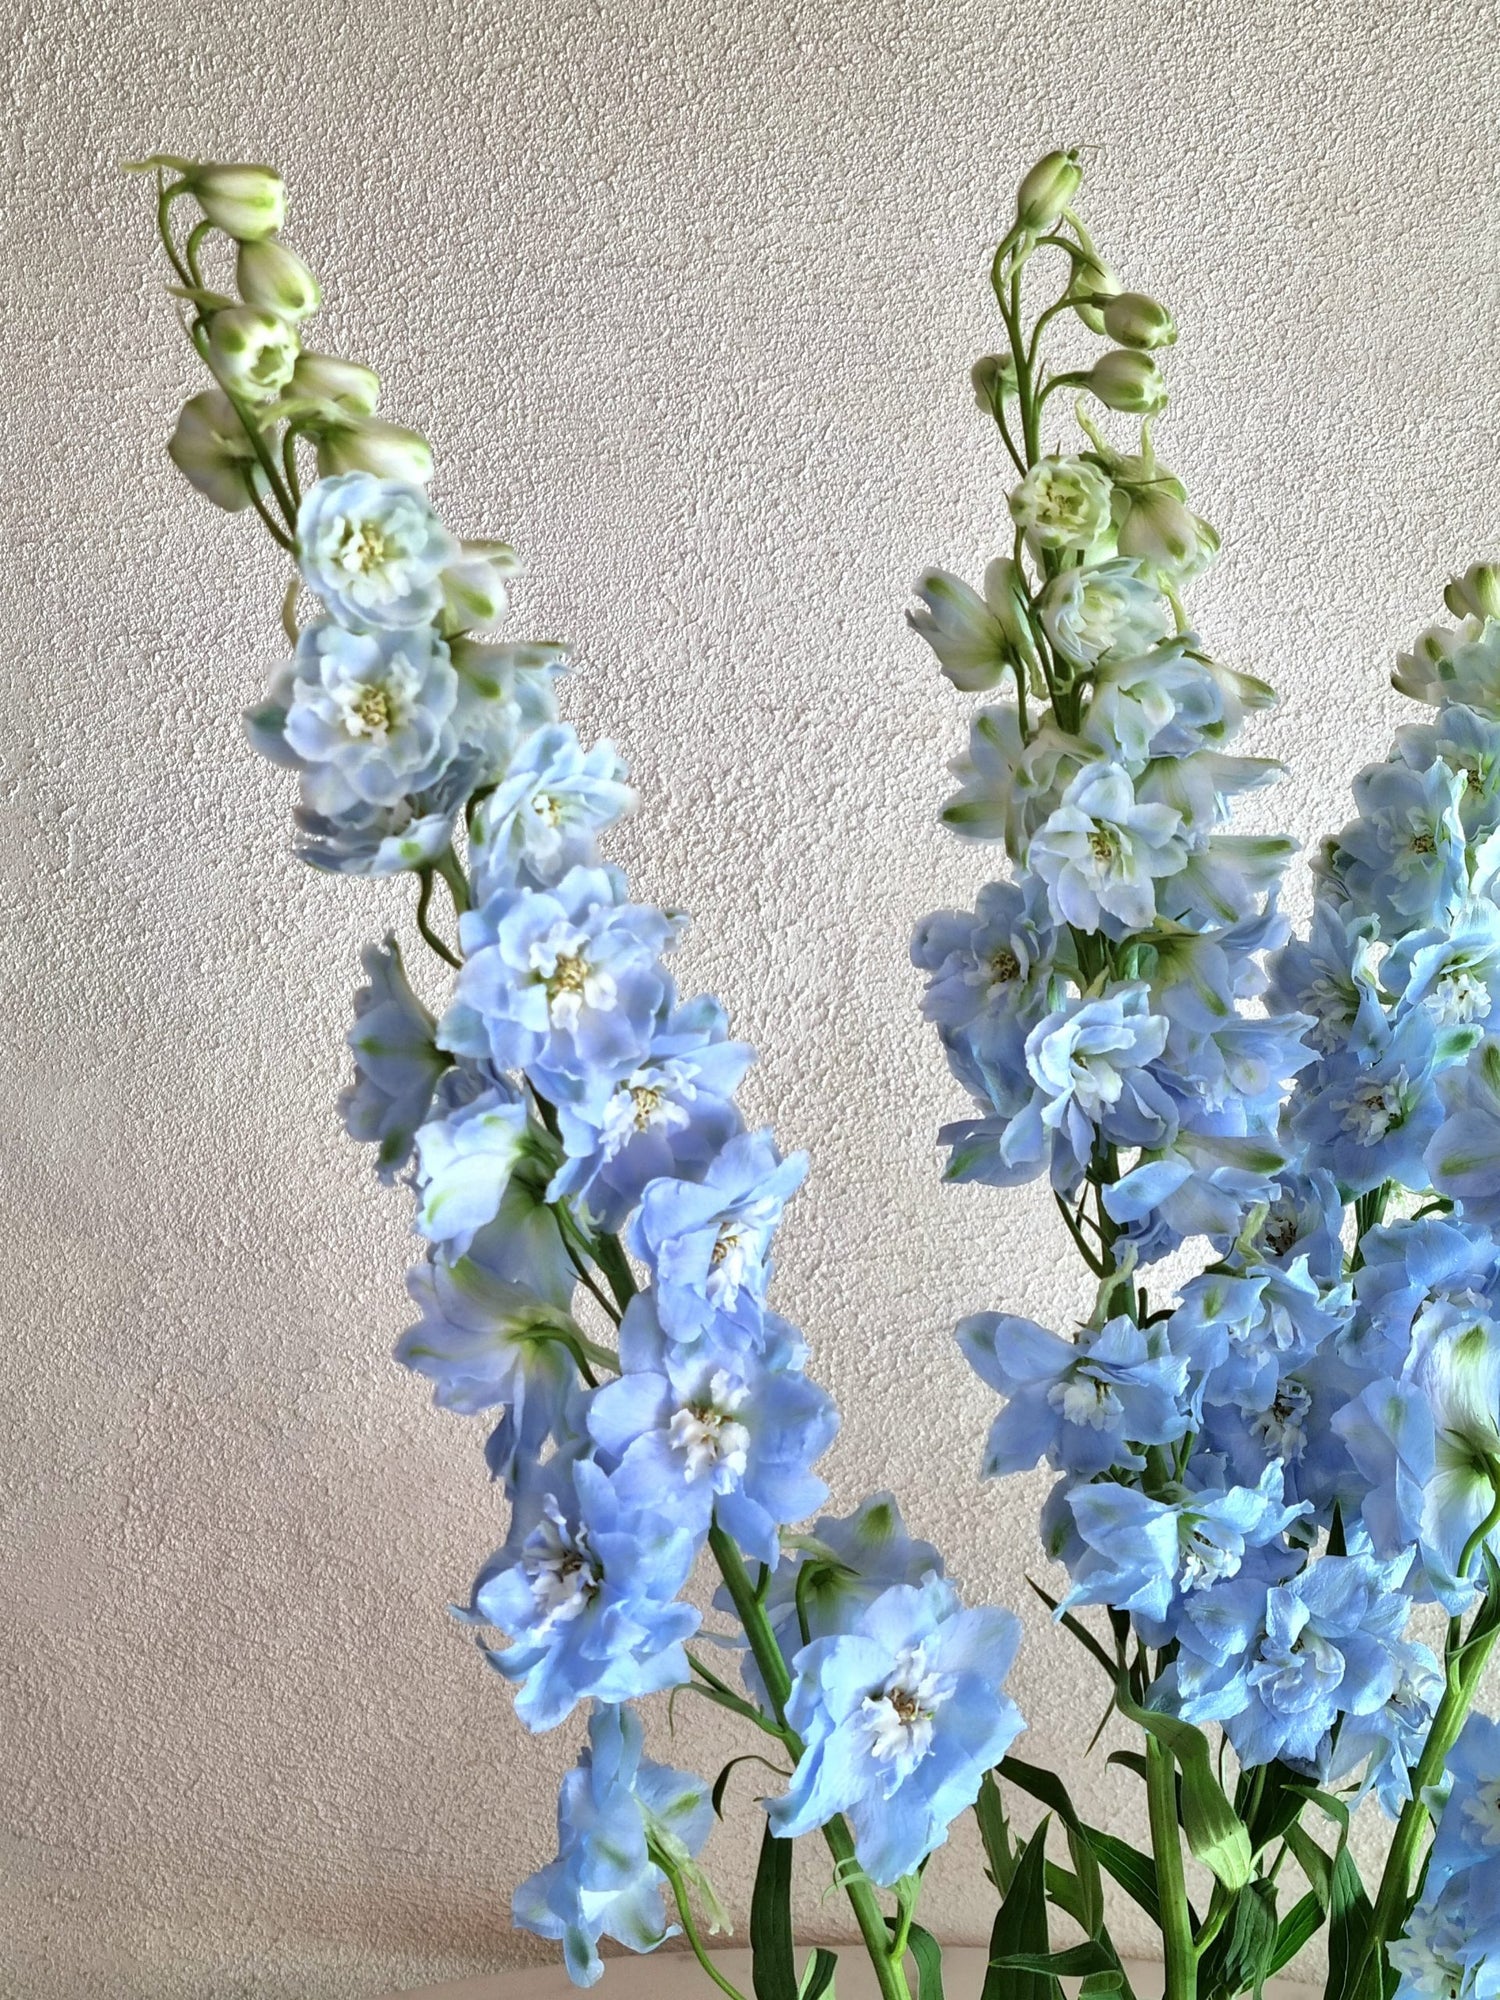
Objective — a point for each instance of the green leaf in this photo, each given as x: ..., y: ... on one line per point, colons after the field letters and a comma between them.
x: 773, y: 1966
x: 1282, y: 1798
x: 817, y: 1977
x: 927, y: 1955
x: 1313, y: 1862
x: 1129, y: 1760
x: 1135, y: 1873
x: 1245, y: 1945
x: 1021, y: 1929
x: 749, y: 1757
x: 1213, y: 1828
x: 1298, y: 1927
x: 994, y: 1831
x: 1349, y: 1919
x: 1079, y: 1631
x: 1089, y: 1916
x: 1077, y: 1962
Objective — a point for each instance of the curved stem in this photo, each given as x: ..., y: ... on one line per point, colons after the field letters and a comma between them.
x: 434, y: 942
x: 690, y: 1927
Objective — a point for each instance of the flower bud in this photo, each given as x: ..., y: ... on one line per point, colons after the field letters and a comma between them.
x: 1125, y: 380
x: 211, y: 451
x: 474, y: 586
x: 1091, y: 284
x: 994, y: 379
x: 270, y: 275
x: 387, y: 451
x: 1475, y: 594
x: 1152, y: 524
x: 1136, y: 321
x: 322, y: 381
x: 245, y: 202
x: 1047, y: 190
x: 252, y: 351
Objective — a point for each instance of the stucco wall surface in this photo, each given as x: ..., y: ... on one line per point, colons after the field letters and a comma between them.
x: 685, y: 296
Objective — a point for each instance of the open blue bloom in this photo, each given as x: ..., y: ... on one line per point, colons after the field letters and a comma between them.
x: 364, y: 716
x: 1167, y: 702
x: 541, y: 818
x: 585, y: 1588
x: 1220, y: 1051
x: 1468, y: 1828
x: 1090, y: 1062
x: 1300, y: 1222
x: 1101, y: 851
x: 1452, y: 970
x: 901, y: 1716
x: 1290, y: 1423
x: 396, y: 1062
x: 613, y: 1808
x: 1148, y: 1557
x: 1468, y: 743
x: 1451, y: 1947
x: 991, y: 973
x: 465, y: 1161
x: 1464, y: 1154
x: 1372, y: 1121
x: 698, y: 1434
x: 664, y: 1119
x: 388, y: 840
x: 1084, y: 1406
x: 563, y: 983
x: 708, y: 1242
x: 1278, y: 1667
x: 1239, y: 1332
x: 1428, y: 1445
x: 1382, y: 1748
x: 1200, y: 1185
x: 485, y: 1344
x: 1405, y: 857
x: 1010, y: 786
x: 1105, y: 611
x: 1331, y: 975
x: 1409, y: 1267
x: 374, y: 551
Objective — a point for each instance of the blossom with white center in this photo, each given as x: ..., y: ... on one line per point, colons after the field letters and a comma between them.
x: 711, y: 1444
x: 1101, y: 852
x: 1085, y: 1399
x: 899, y: 1715
x: 374, y: 551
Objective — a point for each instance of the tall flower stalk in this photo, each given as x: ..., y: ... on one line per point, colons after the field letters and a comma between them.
x: 1259, y: 1476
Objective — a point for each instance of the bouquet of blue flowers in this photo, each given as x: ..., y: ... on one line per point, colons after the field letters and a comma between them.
x: 1258, y: 1480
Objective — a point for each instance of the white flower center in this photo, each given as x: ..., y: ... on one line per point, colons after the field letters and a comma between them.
x: 560, y: 1569
x: 898, y: 1716
x: 571, y: 980
x: 1204, y: 1561
x: 1374, y: 1107
x: 1084, y: 1399
x: 652, y: 1099
x: 1282, y: 1429
x: 1458, y: 997
x: 1482, y: 1810
x: 712, y: 1443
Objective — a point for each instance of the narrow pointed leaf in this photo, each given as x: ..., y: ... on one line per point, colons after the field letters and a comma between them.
x: 773, y: 1966
x: 817, y: 1978
x: 1020, y: 1928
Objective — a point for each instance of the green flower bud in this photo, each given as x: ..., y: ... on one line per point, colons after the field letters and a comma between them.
x: 1125, y: 380
x: 388, y: 451
x: 994, y: 379
x: 1475, y: 594
x: 210, y: 449
x: 252, y: 351
x: 245, y: 202
x: 1167, y: 538
x: 474, y: 587
x: 270, y: 275
x: 323, y: 382
x: 1047, y: 190
x: 1136, y: 321
x: 1092, y: 284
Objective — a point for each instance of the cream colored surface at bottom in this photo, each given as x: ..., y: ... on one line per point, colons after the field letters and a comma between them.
x: 677, y: 1976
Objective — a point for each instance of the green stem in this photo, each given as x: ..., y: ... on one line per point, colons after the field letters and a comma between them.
x: 690, y: 1927
x: 777, y: 1680
x: 450, y: 868
x: 1178, y: 1954
x: 424, y: 898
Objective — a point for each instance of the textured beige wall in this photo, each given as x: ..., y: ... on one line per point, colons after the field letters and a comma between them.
x: 684, y: 296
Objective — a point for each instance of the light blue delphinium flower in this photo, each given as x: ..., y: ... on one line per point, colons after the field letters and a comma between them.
x: 388, y: 840
x: 1101, y: 851
x: 1409, y: 1266
x: 901, y: 1716
x: 1427, y: 1443
x: 1370, y: 1121
x: 1292, y: 1425
x: 1457, y: 664
x: 991, y: 973
x: 1084, y: 1406
x: 541, y: 818
x: 1008, y: 786
x: 486, y: 1343
x: 1105, y: 611
x: 1171, y: 702
x: 465, y: 1161
x: 1200, y: 1185
x: 1453, y: 970
x: 1469, y: 744
x: 701, y: 1434
x: 585, y: 1589
x: 374, y: 551
x: 364, y: 716
x: 1451, y: 1947
x: 1405, y: 857
x: 1218, y: 1049
x: 708, y: 1242
x: 1238, y: 1332
x: 563, y: 983
x: 1278, y: 1667
x: 1463, y: 1157
x: 1468, y: 1827
x: 664, y: 1119
x: 396, y: 1062
x: 613, y: 1808
x: 1331, y: 975
x: 1382, y: 1749
x: 1148, y: 1556
x: 1090, y: 1062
